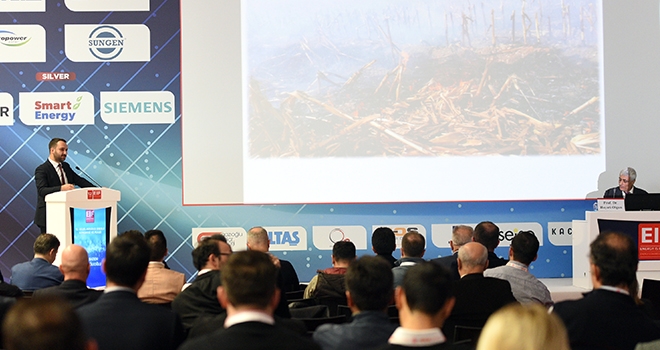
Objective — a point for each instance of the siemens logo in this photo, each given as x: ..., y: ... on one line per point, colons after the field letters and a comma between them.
x: 137, y: 107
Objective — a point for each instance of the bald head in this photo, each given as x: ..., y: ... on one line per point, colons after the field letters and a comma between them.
x: 472, y: 258
x: 257, y: 239
x: 75, y: 263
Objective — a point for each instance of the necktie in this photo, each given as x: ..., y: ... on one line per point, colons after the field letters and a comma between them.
x: 61, y: 174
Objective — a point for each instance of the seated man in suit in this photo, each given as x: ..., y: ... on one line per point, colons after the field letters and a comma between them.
x: 488, y: 234
x: 424, y: 300
x: 201, y: 297
x: 461, y: 234
x: 161, y: 285
x: 39, y: 272
x: 607, y: 317
x: 118, y: 319
x: 75, y: 267
x: 525, y: 286
x: 627, y: 178
x: 477, y: 297
x: 330, y: 282
x: 368, y: 292
x: 383, y: 243
x: 257, y: 239
x: 52, y: 176
x: 250, y: 295
x: 44, y: 323
x: 412, y: 252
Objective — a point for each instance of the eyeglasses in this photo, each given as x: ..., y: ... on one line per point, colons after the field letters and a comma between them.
x: 624, y: 180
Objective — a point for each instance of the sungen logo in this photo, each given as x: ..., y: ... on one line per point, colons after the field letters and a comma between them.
x: 110, y: 42
x: 106, y: 42
x: 649, y: 241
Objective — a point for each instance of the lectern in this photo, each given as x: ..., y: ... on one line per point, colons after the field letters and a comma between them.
x: 87, y: 217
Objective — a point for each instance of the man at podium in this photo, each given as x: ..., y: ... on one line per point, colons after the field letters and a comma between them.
x: 627, y: 179
x: 52, y: 176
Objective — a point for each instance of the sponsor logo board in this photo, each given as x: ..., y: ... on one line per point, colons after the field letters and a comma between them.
x: 236, y: 236
x: 401, y: 229
x: 106, y: 5
x: 22, y: 43
x: 22, y: 5
x: 102, y: 43
x: 441, y: 233
x: 560, y: 233
x: 56, y: 108
x: 6, y: 109
x: 137, y: 107
x: 324, y: 237
x: 649, y: 241
x: 285, y: 238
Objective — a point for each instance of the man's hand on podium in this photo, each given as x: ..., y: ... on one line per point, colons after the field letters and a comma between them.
x: 67, y: 187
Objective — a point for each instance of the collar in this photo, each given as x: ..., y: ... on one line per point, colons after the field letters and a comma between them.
x: 409, y: 261
x: 417, y: 337
x: 203, y: 271
x: 615, y: 289
x: 157, y: 264
x: 249, y: 316
x: 53, y: 163
x: 119, y: 289
x: 517, y: 265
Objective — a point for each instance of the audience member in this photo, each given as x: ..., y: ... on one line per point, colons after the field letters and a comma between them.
x: 250, y: 295
x: 523, y: 327
x: 9, y: 290
x: 257, y: 239
x: 607, y: 317
x: 44, y: 323
x: 368, y: 292
x: 525, y: 287
x: 119, y: 320
x: 460, y: 235
x: 477, y: 297
x: 383, y: 243
x: 161, y: 285
x: 39, y: 272
x: 330, y: 282
x: 424, y: 300
x: 488, y: 234
x: 413, y: 247
x: 627, y: 178
x: 200, y: 298
x: 75, y: 267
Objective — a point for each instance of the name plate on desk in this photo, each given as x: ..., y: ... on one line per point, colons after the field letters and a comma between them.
x: 611, y: 205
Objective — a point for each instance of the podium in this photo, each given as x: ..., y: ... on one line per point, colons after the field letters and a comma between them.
x: 84, y: 210
x: 585, y: 231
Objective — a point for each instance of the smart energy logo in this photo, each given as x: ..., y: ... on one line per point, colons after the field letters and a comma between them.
x: 56, y: 108
x: 22, y: 43
x: 106, y: 43
x: 110, y: 42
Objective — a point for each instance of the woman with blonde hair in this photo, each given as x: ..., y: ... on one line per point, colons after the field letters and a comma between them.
x: 523, y: 327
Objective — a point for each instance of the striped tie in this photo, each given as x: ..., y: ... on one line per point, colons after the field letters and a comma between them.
x: 61, y: 174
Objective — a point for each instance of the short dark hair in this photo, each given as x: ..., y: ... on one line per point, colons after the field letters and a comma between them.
x: 615, y: 254
x: 369, y: 280
x: 525, y: 246
x: 343, y: 251
x: 53, y: 142
x: 43, y: 323
x: 126, y: 259
x: 200, y: 255
x: 45, y: 242
x: 157, y: 243
x: 488, y: 234
x: 427, y: 286
x: 249, y: 278
x: 220, y: 237
x: 413, y: 244
x: 383, y: 241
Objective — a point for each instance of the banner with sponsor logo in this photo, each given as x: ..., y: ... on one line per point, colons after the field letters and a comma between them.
x: 22, y: 43
x: 100, y: 43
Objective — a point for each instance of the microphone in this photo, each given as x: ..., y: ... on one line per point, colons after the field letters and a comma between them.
x: 91, y: 178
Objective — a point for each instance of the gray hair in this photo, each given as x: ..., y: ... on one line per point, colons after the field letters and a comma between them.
x: 459, y: 239
x: 630, y: 172
x: 472, y: 258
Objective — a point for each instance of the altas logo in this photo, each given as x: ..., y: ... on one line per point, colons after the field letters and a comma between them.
x: 11, y: 39
x: 106, y: 42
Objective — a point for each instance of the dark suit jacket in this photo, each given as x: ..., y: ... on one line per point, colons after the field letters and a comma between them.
x: 615, y: 192
x: 477, y: 297
x: 208, y: 324
x: 449, y: 262
x: 47, y: 181
x: 251, y: 335
x: 35, y: 274
x: 495, y: 261
x: 119, y: 320
x: 289, y: 276
x: 200, y: 298
x: 605, y: 320
x: 74, y: 291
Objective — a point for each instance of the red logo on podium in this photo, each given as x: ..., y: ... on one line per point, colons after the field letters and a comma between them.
x: 649, y: 241
x: 89, y: 216
x: 93, y: 194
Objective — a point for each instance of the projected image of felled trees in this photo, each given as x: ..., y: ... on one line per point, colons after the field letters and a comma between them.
x: 431, y: 79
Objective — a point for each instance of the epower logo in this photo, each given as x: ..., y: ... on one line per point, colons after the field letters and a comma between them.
x: 110, y: 42
x: 8, y: 38
x: 56, y: 108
